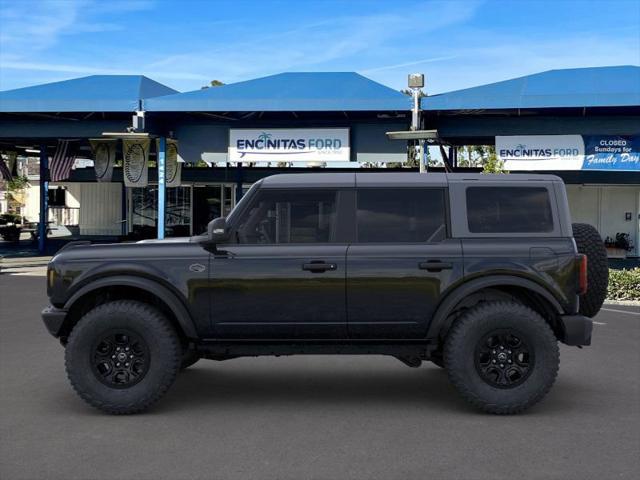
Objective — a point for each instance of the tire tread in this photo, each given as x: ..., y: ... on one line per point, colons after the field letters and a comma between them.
x: 164, y: 328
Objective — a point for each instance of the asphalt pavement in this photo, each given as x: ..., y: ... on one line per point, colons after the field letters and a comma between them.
x: 314, y: 417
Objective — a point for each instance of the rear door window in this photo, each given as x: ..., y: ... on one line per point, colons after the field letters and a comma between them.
x: 509, y: 210
x: 395, y: 215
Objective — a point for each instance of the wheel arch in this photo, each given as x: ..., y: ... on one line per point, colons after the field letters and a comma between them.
x: 470, y: 293
x: 134, y: 288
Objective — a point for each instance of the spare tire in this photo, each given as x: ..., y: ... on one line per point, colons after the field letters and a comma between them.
x: 590, y: 243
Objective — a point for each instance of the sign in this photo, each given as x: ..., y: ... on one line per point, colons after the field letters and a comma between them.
x: 289, y: 145
x: 136, y: 162
x: 541, y: 152
x: 610, y: 152
x: 104, y: 157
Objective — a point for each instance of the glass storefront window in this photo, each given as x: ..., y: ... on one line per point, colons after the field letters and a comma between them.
x: 144, y: 212
x: 178, y: 219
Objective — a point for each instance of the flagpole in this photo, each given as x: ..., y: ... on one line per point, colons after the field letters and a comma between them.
x: 44, y: 199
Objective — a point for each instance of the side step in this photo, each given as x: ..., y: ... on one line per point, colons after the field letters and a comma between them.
x: 409, y: 352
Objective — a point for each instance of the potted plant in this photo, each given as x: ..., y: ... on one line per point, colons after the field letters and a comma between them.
x: 618, y: 247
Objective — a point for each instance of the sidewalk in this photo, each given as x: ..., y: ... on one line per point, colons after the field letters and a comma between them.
x: 11, y: 264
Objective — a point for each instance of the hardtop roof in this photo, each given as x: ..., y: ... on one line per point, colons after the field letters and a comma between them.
x: 395, y: 179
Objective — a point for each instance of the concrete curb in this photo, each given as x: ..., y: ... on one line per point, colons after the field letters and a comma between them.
x: 629, y: 303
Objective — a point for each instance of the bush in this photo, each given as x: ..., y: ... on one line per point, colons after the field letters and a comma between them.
x: 624, y: 284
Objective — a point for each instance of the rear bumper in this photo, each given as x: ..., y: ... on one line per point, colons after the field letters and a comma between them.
x: 577, y: 330
x: 53, y: 319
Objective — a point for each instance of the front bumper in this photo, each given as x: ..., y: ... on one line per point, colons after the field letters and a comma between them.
x: 577, y: 330
x: 53, y: 319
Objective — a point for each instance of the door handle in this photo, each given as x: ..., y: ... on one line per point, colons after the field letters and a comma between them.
x: 435, y: 266
x: 318, y: 267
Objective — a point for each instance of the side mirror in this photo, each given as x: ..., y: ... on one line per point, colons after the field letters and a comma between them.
x: 217, y: 230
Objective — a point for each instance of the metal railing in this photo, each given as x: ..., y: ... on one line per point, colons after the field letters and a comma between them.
x: 64, y: 215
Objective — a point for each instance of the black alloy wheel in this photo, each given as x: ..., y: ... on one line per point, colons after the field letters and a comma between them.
x: 120, y: 359
x: 504, y: 359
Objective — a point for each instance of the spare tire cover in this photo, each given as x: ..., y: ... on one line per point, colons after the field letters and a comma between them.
x: 590, y: 243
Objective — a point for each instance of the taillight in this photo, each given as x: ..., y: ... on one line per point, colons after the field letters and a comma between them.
x: 582, y: 274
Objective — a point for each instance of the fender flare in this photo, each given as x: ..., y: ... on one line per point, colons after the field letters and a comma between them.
x: 439, y: 320
x: 163, y: 293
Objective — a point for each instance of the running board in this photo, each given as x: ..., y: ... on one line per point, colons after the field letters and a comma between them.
x: 230, y: 349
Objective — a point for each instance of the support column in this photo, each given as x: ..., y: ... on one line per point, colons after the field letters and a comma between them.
x: 162, y: 154
x: 239, y: 181
x: 44, y: 199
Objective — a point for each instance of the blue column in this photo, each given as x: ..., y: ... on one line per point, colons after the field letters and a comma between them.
x: 162, y: 155
x: 44, y: 199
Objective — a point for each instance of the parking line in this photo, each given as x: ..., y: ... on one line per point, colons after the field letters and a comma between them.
x: 620, y: 311
x: 599, y: 323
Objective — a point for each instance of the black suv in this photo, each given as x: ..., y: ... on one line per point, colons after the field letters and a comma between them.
x: 479, y: 274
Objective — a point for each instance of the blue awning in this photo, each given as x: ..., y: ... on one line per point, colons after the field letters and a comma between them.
x: 288, y: 92
x: 577, y: 87
x: 96, y: 93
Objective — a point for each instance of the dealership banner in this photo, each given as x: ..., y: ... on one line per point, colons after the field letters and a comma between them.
x: 136, y: 161
x: 104, y: 157
x: 173, y: 164
x: 611, y: 152
x: 541, y: 152
x: 289, y: 145
x: 569, y: 152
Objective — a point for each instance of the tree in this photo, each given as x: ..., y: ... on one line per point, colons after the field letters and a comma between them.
x: 493, y: 164
x: 213, y: 83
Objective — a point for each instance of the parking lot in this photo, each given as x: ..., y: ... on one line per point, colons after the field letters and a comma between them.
x: 314, y: 417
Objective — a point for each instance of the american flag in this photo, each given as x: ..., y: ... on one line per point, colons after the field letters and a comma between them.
x: 5, y: 173
x: 62, y: 161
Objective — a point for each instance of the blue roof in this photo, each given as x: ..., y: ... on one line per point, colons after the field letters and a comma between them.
x: 576, y: 87
x: 96, y: 93
x: 299, y: 92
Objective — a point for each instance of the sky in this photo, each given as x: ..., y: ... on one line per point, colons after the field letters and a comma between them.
x: 185, y: 44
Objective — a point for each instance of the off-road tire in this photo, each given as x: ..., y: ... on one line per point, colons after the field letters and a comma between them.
x: 460, y: 356
x: 148, y: 323
x: 590, y: 243
x: 189, y: 357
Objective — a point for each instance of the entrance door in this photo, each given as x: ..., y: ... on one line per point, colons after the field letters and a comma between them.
x: 401, y: 262
x: 285, y: 276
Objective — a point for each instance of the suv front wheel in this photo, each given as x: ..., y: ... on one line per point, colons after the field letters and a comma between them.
x: 122, y: 356
x: 502, y: 357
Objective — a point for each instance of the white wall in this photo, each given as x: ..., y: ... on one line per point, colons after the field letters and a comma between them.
x: 31, y: 209
x: 604, y: 207
x: 100, y: 208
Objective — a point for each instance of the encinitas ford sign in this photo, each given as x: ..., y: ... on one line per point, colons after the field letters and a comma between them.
x: 569, y: 152
x: 289, y: 145
x: 541, y: 152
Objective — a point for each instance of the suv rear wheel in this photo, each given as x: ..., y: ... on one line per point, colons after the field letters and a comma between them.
x: 502, y: 357
x: 122, y: 356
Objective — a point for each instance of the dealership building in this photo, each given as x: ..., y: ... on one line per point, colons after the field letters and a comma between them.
x: 212, y: 144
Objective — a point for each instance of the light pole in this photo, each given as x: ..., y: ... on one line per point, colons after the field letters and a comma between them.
x: 416, y: 83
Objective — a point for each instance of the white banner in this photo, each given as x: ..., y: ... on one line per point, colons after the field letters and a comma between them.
x: 541, y: 152
x: 173, y: 166
x: 104, y: 157
x: 136, y: 162
x: 289, y: 145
